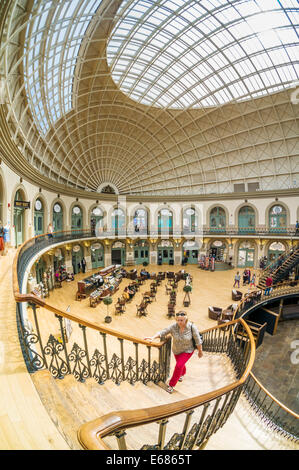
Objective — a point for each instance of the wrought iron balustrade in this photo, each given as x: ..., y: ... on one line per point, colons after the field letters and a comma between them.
x: 200, y: 416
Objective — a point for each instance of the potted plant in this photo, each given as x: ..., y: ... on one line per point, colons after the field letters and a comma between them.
x: 107, y: 301
x: 187, y: 289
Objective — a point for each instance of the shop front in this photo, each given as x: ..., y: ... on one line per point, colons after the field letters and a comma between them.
x: 77, y: 256
x: 277, y: 219
x: 217, y: 220
x: 165, y: 222
x: 118, y: 253
x: 246, y: 255
x: 19, y: 217
x: 165, y: 252
x: 57, y: 217
x: 190, y: 252
x: 246, y: 220
x: 97, y: 255
x: 217, y: 250
x: 77, y: 219
x: 141, y: 252
x: 38, y: 218
x: 59, y: 260
x: 40, y: 269
x: 96, y: 221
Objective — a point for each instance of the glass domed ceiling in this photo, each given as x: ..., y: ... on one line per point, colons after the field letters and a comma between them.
x: 179, y: 53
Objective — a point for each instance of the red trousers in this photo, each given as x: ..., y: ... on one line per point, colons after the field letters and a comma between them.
x: 180, y: 368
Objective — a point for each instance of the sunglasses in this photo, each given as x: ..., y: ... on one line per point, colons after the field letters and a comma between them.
x: 180, y: 314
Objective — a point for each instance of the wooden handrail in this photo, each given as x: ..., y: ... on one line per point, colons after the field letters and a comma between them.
x: 267, y: 268
x: 276, y: 289
x: 91, y: 434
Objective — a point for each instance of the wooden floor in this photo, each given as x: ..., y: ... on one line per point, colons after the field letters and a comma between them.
x: 37, y: 412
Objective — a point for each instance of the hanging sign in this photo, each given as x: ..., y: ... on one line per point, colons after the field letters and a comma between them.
x: 24, y: 204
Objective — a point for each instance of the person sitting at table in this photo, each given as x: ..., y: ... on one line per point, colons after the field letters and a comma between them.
x: 125, y: 295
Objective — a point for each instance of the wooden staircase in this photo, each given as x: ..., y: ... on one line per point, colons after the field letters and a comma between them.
x: 70, y: 404
x: 281, y: 271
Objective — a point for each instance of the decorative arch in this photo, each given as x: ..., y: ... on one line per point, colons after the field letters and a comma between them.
x: 95, y: 226
x: 191, y: 223
x: 42, y: 198
x: 246, y: 253
x: 3, y: 199
x: 287, y: 218
x: 74, y: 204
x: 20, y: 237
x: 59, y: 201
x: 220, y: 224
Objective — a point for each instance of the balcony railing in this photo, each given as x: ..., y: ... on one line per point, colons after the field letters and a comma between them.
x: 276, y: 415
x: 104, y: 354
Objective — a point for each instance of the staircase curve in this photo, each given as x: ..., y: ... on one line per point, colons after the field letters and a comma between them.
x: 137, y: 362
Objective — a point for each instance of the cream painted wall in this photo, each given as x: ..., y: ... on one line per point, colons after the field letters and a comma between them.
x: 12, y: 182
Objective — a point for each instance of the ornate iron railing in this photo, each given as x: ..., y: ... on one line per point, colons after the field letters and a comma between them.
x: 204, y: 414
x: 136, y: 360
x: 272, y: 412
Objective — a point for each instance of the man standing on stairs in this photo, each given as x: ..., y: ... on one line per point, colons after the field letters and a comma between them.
x: 186, y: 339
x: 269, y: 282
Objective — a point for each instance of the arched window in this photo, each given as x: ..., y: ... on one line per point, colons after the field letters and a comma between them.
x: 38, y: 217
x: 165, y: 222
x: 246, y: 219
x: 118, y: 220
x: 140, y: 221
x: 190, y: 220
x: 217, y: 219
x: 96, y: 220
x: 77, y: 219
x: 57, y: 217
x: 19, y: 218
x: 276, y: 249
x: 277, y: 219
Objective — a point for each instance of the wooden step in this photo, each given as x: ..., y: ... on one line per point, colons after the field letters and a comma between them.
x: 71, y: 403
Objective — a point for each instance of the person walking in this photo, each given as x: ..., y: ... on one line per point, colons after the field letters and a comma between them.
x: 237, y: 279
x: 2, y: 246
x: 269, y: 282
x: 183, y: 332
x: 252, y: 281
x: 83, y: 265
x: 50, y: 231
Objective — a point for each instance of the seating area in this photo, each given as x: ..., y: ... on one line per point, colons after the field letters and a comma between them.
x: 236, y: 295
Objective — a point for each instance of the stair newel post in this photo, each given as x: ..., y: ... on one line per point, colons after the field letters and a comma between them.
x: 83, y: 328
x: 162, y: 433
x: 105, y: 354
x: 121, y: 441
x: 122, y: 357
x: 62, y: 330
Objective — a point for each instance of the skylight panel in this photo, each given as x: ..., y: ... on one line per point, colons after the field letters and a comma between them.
x: 59, y: 63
